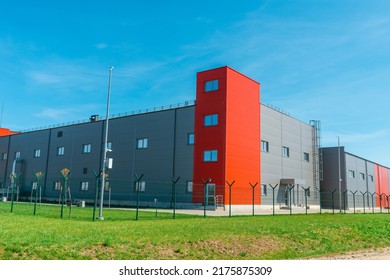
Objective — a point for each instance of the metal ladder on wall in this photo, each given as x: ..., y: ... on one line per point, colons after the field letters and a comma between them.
x: 317, y: 153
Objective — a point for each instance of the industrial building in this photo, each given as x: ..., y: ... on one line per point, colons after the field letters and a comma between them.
x: 225, y: 148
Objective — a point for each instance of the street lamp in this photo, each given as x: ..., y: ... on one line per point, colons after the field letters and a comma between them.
x: 338, y: 149
x: 105, y: 148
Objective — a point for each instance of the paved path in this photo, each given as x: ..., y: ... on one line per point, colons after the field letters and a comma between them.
x: 369, y: 254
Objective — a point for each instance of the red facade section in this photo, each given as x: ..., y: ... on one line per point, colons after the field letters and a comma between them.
x: 236, y: 137
x: 381, y: 184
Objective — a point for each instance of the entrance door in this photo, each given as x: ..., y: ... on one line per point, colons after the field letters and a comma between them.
x: 210, y: 194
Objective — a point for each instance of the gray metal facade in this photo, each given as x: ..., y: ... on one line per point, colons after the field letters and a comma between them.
x: 281, y: 131
x: 165, y: 153
x: 357, y: 180
x: 79, y: 148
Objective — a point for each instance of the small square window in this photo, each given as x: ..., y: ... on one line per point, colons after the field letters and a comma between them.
x: 4, y: 156
x: 190, y: 139
x: 210, y: 120
x: 211, y: 85
x: 59, y: 133
x: 37, y: 153
x: 362, y: 176
x: 351, y: 174
x: 57, y: 186
x: 142, y: 143
x: 371, y: 178
x: 189, y: 187
x: 60, y: 151
x: 264, y: 146
x: 87, y: 148
x: 286, y: 151
x: 264, y: 189
x: 210, y: 156
x: 306, y: 157
x: 140, y: 186
x: 84, y: 186
x: 85, y: 170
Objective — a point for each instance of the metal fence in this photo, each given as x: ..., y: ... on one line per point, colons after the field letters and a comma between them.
x: 180, y: 196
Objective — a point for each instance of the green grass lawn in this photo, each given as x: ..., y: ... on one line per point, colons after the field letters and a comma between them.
x: 120, y: 236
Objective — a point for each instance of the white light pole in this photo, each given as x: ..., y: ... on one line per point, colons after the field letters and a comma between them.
x: 103, y: 180
x: 338, y: 149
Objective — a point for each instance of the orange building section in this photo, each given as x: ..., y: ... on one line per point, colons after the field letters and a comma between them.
x: 6, y: 132
x: 381, y: 184
x: 242, y: 162
x: 236, y: 137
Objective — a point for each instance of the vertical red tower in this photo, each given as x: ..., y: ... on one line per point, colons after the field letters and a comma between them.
x: 381, y: 184
x: 227, y: 135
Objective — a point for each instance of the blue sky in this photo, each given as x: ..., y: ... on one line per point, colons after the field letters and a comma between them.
x: 323, y: 60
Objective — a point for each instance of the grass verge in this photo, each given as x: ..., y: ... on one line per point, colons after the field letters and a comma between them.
x: 46, y: 236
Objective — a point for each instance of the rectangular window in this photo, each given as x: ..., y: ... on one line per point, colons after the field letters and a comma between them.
x: 142, y: 143
x: 264, y: 146
x: 306, y: 157
x: 17, y: 155
x: 189, y: 187
x: 59, y: 134
x: 210, y: 120
x: 264, y: 190
x: 37, y: 153
x: 109, y: 145
x: 84, y: 186
x: 351, y: 174
x: 57, y: 186
x: 362, y: 176
x: 85, y: 170
x: 60, y: 151
x: 190, y: 139
x: 371, y: 178
x: 87, y: 148
x: 211, y: 85
x: 140, y: 186
x: 4, y: 156
x: 286, y: 151
x: 210, y: 156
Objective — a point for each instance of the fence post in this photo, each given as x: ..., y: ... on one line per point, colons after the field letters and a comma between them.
x: 345, y: 200
x: 37, y: 175
x: 205, y: 196
x: 306, y: 189
x: 253, y: 197
x: 174, y: 181
x: 364, y: 201
x: 65, y: 172
x: 230, y: 196
x: 290, y: 188
x: 319, y: 192
x: 138, y: 189
x: 333, y: 199
x: 353, y: 197
x: 380, y: 201
x: 97, y: 177
x: 14, y: 177
x: 388, y: 206
x: 273, y: 198
x: 372, y: 201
